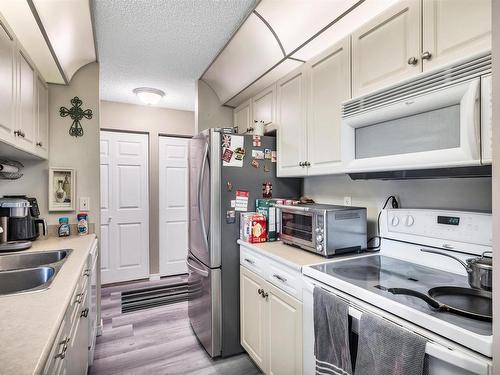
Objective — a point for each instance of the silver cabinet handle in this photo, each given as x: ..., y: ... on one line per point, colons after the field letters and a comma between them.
x: 86, y: 272
x: 64, y: 344
x: 301, y: 163
x: 249, y: 261
x: 265, y: 295
x: 280, y: 278
x: 39, y: 144
x: 84, y: 313
x: 412, y: 61
x: 307, y: 164
x: 260, y: 291
x: 20, y: 133
x: 426, y: 55
x: 78, y: 298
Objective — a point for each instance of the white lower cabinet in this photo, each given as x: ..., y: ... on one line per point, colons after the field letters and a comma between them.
x: 271, y: 325
x: 70, y: 350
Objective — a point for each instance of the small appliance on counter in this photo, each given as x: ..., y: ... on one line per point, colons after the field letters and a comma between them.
x: 21, y: 216
x: 12, y: 209
x: 323, y: 229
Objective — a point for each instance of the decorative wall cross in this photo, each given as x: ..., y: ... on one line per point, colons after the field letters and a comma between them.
x: 76, y: 113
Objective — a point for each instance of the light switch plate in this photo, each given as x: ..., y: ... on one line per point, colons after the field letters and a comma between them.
x: 84, y: 203
x: 347, y: 201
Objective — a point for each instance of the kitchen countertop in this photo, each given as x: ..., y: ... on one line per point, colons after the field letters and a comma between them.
x: 291, y: 256
x: 29, y: 322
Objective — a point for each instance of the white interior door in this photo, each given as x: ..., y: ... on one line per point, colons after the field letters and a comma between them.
x: 174, y: 207
x: 124, y: 207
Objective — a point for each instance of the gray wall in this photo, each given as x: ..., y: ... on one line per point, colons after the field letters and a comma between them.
x: 496, y: 184
x: 153, y: 121
x: 65, y: 151
x: 466, y: 194
x: 209, y: 113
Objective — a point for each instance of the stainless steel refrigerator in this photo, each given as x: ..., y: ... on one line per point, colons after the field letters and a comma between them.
x: 213, y: 260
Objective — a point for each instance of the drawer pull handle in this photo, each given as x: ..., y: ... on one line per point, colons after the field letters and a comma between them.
x: 86, y: 272
x: 249, y: 261
x: 64, y: 343
x: 260, y: 291
x: 265, y: 295
x: 280, y: 278
x: 84, y: 313
x: 78, y: 298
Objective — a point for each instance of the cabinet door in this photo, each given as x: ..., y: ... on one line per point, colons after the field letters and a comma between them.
x: 284, y: 333
x: 7, y: 85
x: 252, y: 316
x: 264, y: 107
x: 292, y: 132
x: 79, y: 344
x: 42, y: 128
x: 26, y: 109
x: 454, y: 29
x: 382, y: 49
x: 329, y: 84
x: 243, y: 116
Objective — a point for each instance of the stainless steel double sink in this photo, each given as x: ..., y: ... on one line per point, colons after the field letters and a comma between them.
x: 30, y: 272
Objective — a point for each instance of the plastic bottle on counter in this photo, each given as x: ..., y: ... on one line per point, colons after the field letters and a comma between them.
x: 63, y: 230
x: 83, y: 224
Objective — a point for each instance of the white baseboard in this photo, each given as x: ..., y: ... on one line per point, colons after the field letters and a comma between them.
x: 154, y: 277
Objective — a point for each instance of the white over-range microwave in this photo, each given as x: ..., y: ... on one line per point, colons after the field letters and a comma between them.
x: 440, y: 119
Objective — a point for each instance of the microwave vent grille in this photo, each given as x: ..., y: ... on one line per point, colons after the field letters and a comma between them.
x: 437, y: 79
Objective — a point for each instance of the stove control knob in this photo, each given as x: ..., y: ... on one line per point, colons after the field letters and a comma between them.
x: 395, y: 221
x: 409, y: 221
x: 319, y: 238
x: 319, y: 248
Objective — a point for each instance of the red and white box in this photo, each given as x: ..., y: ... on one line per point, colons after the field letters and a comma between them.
x: 253, y: 227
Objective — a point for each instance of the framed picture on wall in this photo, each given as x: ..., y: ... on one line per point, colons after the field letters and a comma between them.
x: 62, y: 189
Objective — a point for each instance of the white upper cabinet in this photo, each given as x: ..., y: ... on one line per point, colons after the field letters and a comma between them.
x: 386, y: 49
x: 264, y: 106
x: 292, y: 132
x: 7, y: 85
x: 42, y: 127
x: 243, y: 116
x: 329, y: 84
x: 454, y: 29
x: 26, y: 109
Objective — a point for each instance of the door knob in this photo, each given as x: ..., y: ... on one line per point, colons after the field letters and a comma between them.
x: 426, y: 55
x: 412, y: 61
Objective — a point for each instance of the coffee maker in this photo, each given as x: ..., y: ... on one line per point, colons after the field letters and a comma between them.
x: 19, y: 218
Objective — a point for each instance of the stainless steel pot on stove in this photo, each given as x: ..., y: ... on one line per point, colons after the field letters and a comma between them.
x: 479, y: 269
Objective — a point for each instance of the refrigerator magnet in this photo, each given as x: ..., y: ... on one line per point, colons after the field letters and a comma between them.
x: 267, y: 153
x: 229, y: 186
x: 274, y: 156
x: 258, y: 154
x: 226, y: 141
x: 255, y: 163
x: 233, y: 203
x: 256, y: 141
x: 267, y: 167
x: 227, y: 155
x: 230, y: 217
x: 242, y: 200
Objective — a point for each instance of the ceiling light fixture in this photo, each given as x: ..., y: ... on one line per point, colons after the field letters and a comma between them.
x: 149, y: 95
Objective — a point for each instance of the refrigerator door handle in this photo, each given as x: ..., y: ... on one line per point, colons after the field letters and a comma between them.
x: 200, y: 194
x: 197, y: 270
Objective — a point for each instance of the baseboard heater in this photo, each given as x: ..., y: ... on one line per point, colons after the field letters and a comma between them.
x: 458, y: 172
x: 146, y: 298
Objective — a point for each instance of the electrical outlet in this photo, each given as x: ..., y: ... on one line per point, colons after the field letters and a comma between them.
x: 84, y: 203
x: 347, y: 201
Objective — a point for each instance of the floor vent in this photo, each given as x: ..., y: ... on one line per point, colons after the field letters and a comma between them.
x: 146, y: 298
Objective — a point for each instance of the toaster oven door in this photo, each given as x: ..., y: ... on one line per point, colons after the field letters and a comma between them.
x: 298, y: 228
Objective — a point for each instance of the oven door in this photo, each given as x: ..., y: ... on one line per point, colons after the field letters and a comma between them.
x: 298, y: 227
x: 441, y: 359
x: 437, y: 129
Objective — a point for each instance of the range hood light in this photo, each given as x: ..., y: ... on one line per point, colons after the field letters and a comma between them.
x: 149, y: 95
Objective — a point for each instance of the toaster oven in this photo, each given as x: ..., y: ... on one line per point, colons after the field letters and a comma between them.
x: 326, y: 230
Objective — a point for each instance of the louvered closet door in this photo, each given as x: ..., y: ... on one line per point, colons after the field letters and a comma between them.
x: 124, y: 207
x: 174, y: 208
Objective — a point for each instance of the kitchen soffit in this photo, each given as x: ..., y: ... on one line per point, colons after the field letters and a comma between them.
x: 161, y: 44
x: 301, y: 29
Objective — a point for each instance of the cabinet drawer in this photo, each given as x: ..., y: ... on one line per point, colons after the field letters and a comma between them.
x: 57, y: 355
x: 285, y: 279
x: 252, y: 261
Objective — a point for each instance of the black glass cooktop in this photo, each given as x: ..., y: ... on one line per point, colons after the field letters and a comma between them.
x: 377, y: 273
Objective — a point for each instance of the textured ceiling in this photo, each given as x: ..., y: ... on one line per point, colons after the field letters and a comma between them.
x: 165, y: 44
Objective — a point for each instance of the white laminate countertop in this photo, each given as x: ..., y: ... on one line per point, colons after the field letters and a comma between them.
x: 289, y: 255
x: 29, y: 322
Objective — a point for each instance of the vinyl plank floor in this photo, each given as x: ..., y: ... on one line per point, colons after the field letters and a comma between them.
x: 156, y: 341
